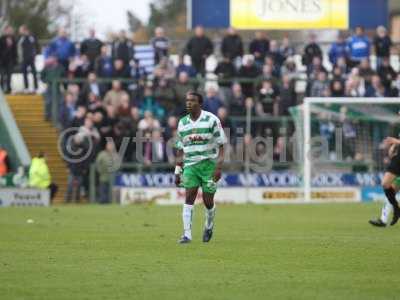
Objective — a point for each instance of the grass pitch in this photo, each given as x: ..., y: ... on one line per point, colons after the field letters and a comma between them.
x: 258, y: 252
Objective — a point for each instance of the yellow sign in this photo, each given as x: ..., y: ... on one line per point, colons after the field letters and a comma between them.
x: 289, y: 14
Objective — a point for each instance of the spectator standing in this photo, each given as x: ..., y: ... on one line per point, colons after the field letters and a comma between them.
x: 236, y: 101
x: 8, y: 58
x: 338, y: 49
x: 259, y: 47
x: 39, y: 175
x: 386, y: 73
x: 287, y: 96
x: 275, y: 55
x: 62, y: 48
x: 311, y: 50
x: 286, y: 49
x: 104, y: 64
x: 248, y: 71
x: 51, y: 72
x: 382, y: 45
x: 123, y: 48
x: 226, y: 72
x: 199, y: 48
x: 232, y: 47
x: 160, y: 45
x: 27, y: 48
x: 91, y: 47
x: 267, y: 105
x: 106, y: 162
x: 77, y: 170
x: 359, y: 47
x: 365, y: 71
x: 67, y: 110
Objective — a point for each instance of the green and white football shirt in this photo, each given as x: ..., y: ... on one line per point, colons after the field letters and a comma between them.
x: 200, y: 139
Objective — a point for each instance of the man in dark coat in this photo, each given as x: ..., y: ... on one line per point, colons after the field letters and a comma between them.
x: 27, y: 47
x: 232, y: 45
x: 8, y: 57
x: 199, y: 48
x: 91, y: 47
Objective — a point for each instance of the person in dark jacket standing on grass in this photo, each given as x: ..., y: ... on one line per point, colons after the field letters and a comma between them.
x: 27, y: 48
x: 199, y: 48
x: 8, y: 57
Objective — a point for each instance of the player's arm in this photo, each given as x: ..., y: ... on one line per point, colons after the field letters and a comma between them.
x: 221, y: 140
x: 179, y: 158
x: 220, y: 161
x: 178, y: 166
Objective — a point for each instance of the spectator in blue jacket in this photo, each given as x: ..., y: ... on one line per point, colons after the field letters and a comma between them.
x: 104, y: 64
x: 212, y: 103
x: 338, y: 49
x: 182, y: 67
x: 62, y: 48
x: 359, y: 47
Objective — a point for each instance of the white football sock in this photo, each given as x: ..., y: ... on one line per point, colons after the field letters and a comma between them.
x: 187, y: 215
x: 386, y: 211
x: 210, y: 214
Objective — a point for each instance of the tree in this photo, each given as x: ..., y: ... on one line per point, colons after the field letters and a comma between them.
x: 134, y: 22
x: 41, y: 16
x: 170, y: 14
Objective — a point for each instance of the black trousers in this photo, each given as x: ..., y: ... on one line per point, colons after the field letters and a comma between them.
x: 5, y: 73
x: 25, y: 66
x: 53, y: 190
x: 200, y: 65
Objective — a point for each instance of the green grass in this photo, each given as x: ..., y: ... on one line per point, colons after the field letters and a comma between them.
x: 258, y: 252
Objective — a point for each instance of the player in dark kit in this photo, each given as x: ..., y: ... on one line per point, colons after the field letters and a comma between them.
x: 389, y: 179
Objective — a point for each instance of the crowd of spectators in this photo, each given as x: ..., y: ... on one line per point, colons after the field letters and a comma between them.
x: 261, y: 77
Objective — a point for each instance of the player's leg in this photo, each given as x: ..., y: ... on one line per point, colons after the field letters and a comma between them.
x: 187, y: 214
x: 387, y: 209
x: 209, y: 187
x: 209, y: 204
x: 390, y: 192
x: 191, y: 183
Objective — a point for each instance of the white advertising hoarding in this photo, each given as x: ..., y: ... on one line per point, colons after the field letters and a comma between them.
x: 240, y: 195
x: 24, y: 197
